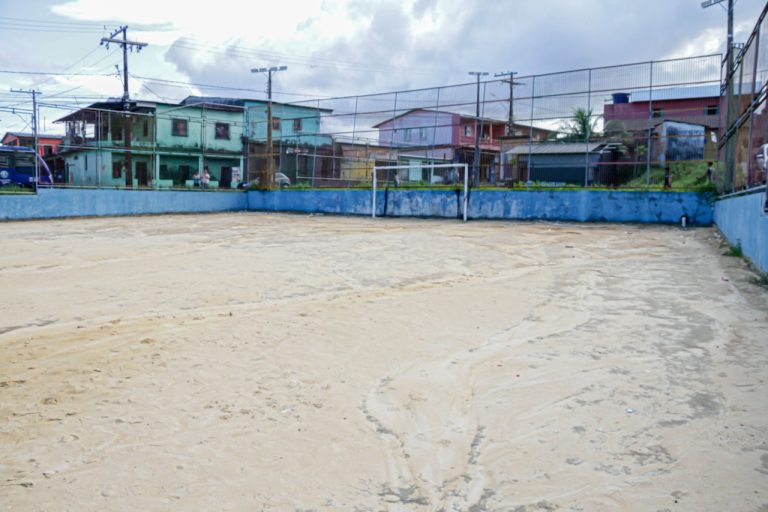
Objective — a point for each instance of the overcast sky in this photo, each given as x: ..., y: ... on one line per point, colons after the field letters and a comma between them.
x: 333, y: 47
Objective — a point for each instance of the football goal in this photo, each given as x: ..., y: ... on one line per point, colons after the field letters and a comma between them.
x: 421, y: 176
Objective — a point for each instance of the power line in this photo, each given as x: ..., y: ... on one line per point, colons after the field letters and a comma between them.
x: 292, y: 58
x: 46, y: 73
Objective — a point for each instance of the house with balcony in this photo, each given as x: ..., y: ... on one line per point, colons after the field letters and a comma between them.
x: 423, y: 136
x: 299, y: 149
x: 151, y: 144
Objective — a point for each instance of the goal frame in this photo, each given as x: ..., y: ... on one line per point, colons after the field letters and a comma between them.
x: 431, y: 167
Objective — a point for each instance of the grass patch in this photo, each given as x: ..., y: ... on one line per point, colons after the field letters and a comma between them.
x: 734, y: 251
x: 14, y: 190
x: 686, y: 176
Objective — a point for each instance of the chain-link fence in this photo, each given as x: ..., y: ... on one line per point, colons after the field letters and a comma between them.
x: 635, y: 126
x: 648, y: 125
x: 744, y: 144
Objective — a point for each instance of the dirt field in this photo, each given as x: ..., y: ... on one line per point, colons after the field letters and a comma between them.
x: 275, y: 362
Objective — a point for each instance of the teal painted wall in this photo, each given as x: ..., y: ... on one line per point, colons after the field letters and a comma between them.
x: 310, y: 124
x: 201, y: 129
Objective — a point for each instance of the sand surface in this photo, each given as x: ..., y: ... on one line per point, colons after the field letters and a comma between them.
x: 277, y: 362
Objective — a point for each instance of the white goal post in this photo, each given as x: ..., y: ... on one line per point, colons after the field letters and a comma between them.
x: 431, y: 168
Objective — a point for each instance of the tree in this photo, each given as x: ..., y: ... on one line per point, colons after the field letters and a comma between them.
x: 580, y: 126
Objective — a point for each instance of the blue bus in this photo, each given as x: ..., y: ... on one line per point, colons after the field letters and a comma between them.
x: 17, y: 167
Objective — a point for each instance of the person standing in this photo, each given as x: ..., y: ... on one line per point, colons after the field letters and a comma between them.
x: 206, y: 177
x: 667, y: 178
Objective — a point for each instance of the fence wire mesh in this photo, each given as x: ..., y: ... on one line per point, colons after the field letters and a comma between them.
x: 647, y: 125
x: 744, y: 144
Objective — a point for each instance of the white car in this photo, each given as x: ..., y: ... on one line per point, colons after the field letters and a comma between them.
x: 281, y: 180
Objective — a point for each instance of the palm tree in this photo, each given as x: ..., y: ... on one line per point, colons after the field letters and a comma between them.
x: 580, y: 126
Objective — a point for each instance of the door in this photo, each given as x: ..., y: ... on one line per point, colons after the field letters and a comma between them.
x: 225, y: 180
x: 142, y: 175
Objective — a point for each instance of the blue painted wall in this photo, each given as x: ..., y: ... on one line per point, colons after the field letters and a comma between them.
x: 653, y: 207
x: 57, y: 202
x: 592, y: 206
x: 581, y: 205
x: 742, y: 220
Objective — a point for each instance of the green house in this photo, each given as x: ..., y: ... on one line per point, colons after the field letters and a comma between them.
x: 168, y: 144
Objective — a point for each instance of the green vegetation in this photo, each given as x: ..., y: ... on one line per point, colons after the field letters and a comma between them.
x: 734, y: 251
x: 14, y: 189
x: 581, y: 125
x: 686, y: 176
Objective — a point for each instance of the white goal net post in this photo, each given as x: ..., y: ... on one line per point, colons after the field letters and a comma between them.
x: 433, y: 176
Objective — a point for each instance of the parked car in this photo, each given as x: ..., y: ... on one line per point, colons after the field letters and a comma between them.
x: 281, y: 180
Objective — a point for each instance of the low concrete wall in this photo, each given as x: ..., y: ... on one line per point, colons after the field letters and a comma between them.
x: 58, y: 202
x: 742, y: 221
x: 578, y: 205
x: 592, y: 206
x: 344, y: 202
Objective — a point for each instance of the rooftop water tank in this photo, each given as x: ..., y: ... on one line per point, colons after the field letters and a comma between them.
x: 620, y: 97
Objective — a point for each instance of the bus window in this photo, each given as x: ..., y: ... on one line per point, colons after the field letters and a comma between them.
x: 5, y: 161
x: 25, y: 163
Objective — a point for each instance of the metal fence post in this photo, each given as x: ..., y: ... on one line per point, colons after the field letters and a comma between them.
x: 650, y: 131
x: 588, y: 130
x: 530, y: 135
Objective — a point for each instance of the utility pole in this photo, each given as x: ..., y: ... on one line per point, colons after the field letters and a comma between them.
x: 512, y: 84
x: 267, y: 175
x: 478, y: 127
x: 34, y: 94
x: 126, y: 45
x: 730, y: 154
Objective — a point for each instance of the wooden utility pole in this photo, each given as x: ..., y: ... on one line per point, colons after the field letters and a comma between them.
x: 34, y: 94
x: 730, y: 143
x: 512, y: 84
x: 478, y: 127
x: 267, y: 174
x: 125, y: 44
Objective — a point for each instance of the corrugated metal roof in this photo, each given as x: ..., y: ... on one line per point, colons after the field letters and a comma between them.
x: 555, y: 148
x: 30, y: 135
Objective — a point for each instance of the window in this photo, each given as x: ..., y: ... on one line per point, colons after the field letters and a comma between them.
x: 276, y: 123
x: 117, y: 129
x: 407, y: 134
x: 117, y: 169
x: 658, y: 112
x: 297, y: 125
x: 222, y: 131
x: 145, y: 129
x: 47, y: 150
x: 422, y: 134
x: 179, y: 127
x: 467, y: 130
x: 711, y: 110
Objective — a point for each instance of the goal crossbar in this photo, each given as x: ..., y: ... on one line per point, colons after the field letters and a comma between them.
x: 430, y: 167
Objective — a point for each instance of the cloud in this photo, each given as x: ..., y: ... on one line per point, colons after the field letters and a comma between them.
x: 346, y: 47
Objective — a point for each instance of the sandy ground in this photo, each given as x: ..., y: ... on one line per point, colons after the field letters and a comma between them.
x: 277, y: 362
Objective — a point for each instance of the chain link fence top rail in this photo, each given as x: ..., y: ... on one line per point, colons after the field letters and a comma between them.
x: 636, y: 126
